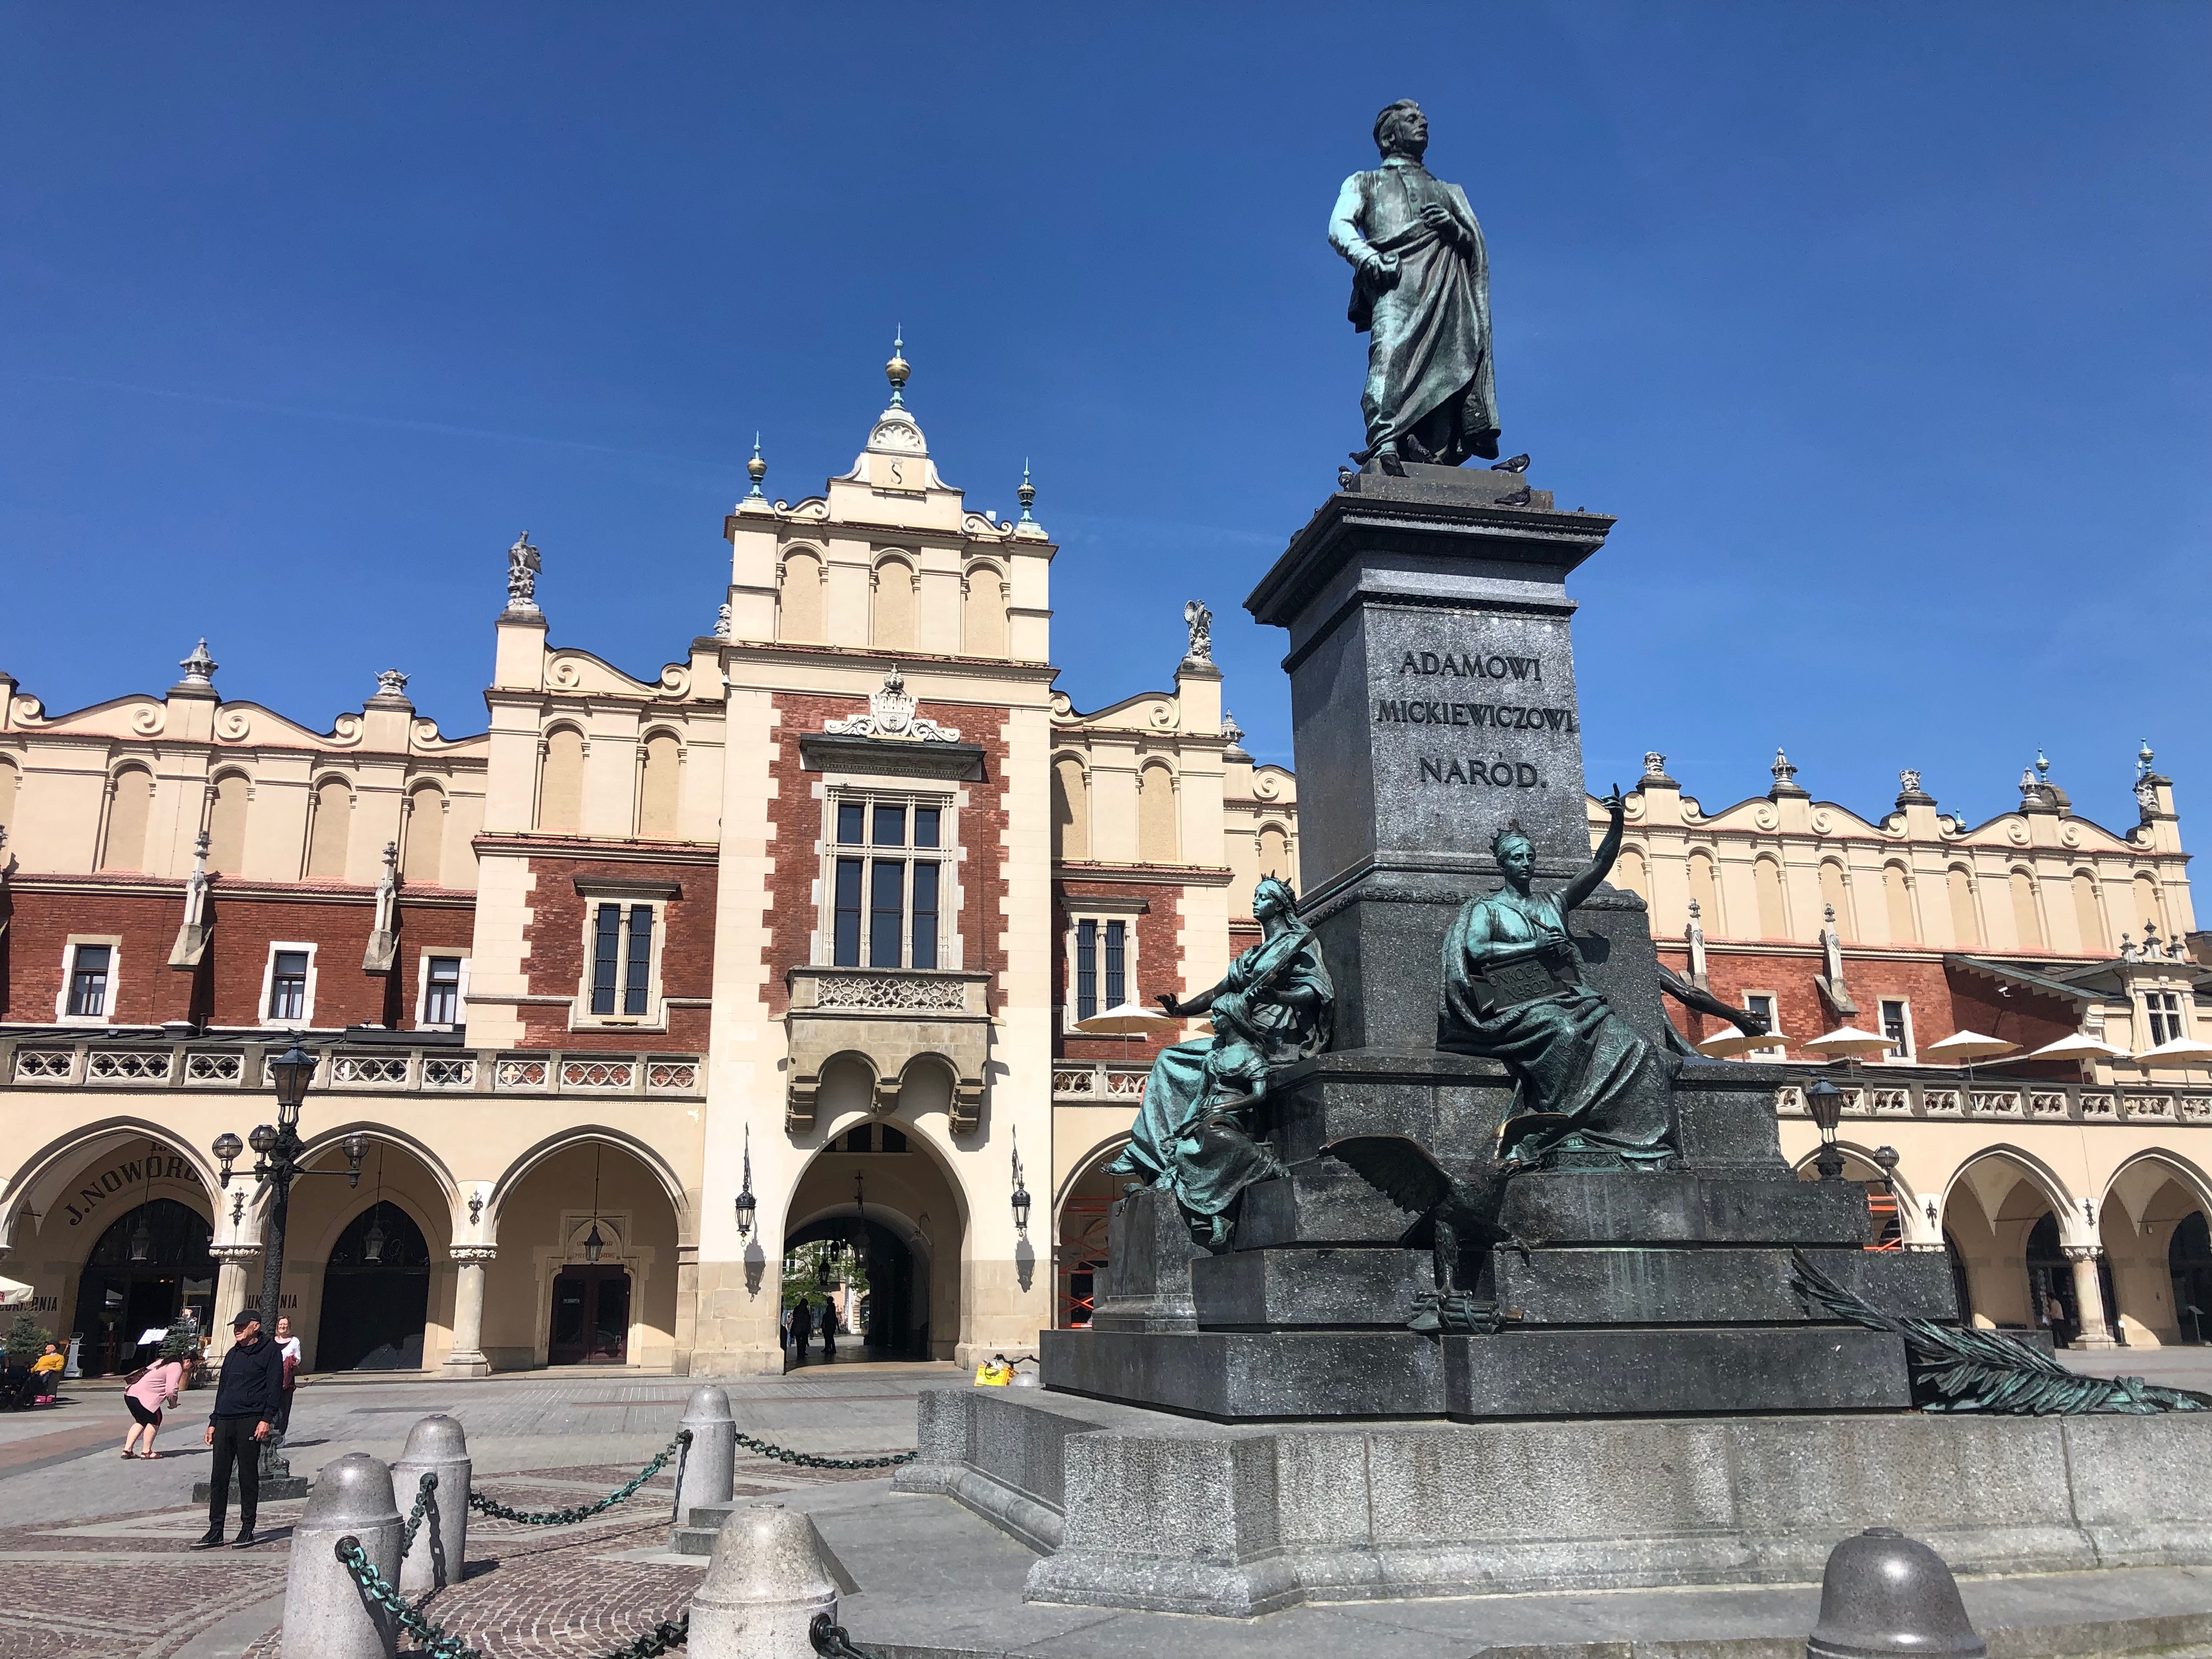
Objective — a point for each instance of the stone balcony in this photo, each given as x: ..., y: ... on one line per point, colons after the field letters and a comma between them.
x: 1888, y: 1091
x: 125, y: 1059
x: 893, y: 1023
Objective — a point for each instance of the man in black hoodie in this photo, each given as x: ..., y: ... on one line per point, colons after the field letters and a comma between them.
x: 245, y: 1401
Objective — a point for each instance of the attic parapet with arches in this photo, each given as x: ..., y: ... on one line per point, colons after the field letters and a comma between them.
x: 890, y: 559
x: 1919, y: 925
x: 123, y: 789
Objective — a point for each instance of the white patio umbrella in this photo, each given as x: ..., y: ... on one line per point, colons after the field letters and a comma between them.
x: 1727, y: 1045
x: 2182, y: 1051
x: 1127, y: 1020
x: 2079, y: 1047
x: 1968, y: 1046
x: 13, y: 1293
x: 1848, y: 1042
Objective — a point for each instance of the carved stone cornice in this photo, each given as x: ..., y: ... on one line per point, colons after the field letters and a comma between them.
x: 474, y: 1252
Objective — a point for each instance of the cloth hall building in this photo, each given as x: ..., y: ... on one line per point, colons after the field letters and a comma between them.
x: 806, y: 914
x: 655, y: 981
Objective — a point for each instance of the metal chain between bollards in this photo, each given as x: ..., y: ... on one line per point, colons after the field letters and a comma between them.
x: 484, y: 1506
x: 808, y: 1461
x: 429, y: 1485
x: 831, y: 1641
x: 668, y: 1634
x: 375, y: 1586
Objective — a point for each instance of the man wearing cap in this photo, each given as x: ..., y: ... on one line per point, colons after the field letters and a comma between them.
x: 246, y: 1404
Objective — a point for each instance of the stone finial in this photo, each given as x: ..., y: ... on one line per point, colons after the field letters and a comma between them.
x: 1026, y: 493
x: 1234, y: 733
x: 391, y: 684
x: 2143, y: 758
x: 1785, y: 776
x: 523, y: 565
x: 755, y: 468
x: 1885, y: 1593
x: 199, y: 667
x: 897, y: 369
x: 1199, y: 619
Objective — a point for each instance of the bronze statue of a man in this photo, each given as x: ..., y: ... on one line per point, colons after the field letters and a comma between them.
x: 1420, y: 289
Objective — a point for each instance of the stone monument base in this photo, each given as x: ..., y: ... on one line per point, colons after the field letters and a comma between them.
x: 1142, y: 1508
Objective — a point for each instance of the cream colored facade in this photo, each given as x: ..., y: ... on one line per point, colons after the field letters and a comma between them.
x: 629, y: 1083
x: 2028, y: 928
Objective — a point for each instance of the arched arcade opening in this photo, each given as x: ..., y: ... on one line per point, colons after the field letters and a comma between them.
x: 879, y: 1192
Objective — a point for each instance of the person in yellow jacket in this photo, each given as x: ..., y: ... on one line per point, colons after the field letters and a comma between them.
x: 46, y: 1375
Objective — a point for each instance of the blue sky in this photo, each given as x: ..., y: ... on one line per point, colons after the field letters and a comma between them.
x: 1882, y: 328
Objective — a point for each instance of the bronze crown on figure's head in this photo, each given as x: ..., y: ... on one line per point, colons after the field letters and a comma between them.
x: 1510, y: 831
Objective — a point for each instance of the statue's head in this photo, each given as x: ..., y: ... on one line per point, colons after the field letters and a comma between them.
x: 1272, y: 898
x: 1515, y: 853
x: 1402, y: 129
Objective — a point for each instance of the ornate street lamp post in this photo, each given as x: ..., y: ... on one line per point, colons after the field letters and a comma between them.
x: 276, y: 1151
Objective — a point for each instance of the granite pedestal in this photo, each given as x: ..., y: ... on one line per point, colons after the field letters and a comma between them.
x: 1433, y: 697
x: 1142, y: 1508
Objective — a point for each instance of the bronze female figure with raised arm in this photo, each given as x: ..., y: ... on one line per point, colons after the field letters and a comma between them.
x: 1591, y: 1091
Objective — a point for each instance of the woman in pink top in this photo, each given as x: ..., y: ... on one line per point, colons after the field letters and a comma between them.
x: 146, y: 1398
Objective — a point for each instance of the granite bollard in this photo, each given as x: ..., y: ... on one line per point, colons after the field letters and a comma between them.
x: 763, y: 1587
x: 708, y: 1473
x: 1884, y: 1593
x: 327, y: 1616
x: 436, y: 1445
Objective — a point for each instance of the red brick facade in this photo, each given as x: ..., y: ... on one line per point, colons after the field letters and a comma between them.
x: 554, y: 940
x: 795, y: 833
x: 1943, y: 1000
x: 1158, y: 957
x: 226, y: 989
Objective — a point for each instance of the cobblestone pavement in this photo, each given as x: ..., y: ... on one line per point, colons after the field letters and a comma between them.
x: 94, y: 1556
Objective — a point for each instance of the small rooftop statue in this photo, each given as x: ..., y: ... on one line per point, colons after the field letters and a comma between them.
x: 1421, y: 290
x: 391, y: 684
x: 1200, y: 621
x: 522, y: 568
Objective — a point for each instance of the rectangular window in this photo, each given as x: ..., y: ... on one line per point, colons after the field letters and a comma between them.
x: 87, y: 994
x: 887, y: 883
x: 894, y: 1139
x: 1762, y: 1003
x: 288, y: 986
x: 1117, y: 949
x: 606, y: 958
x: 857, y: 1140
x: 1086, y: 969
x: 847, y: 951
x: 442, y: 996
x: 886, y: 910
x: 638, y: 980
x: 1896, y: 1026
x: 925, y: 916
x: 621, y: 982
x: 2165, y: 1008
